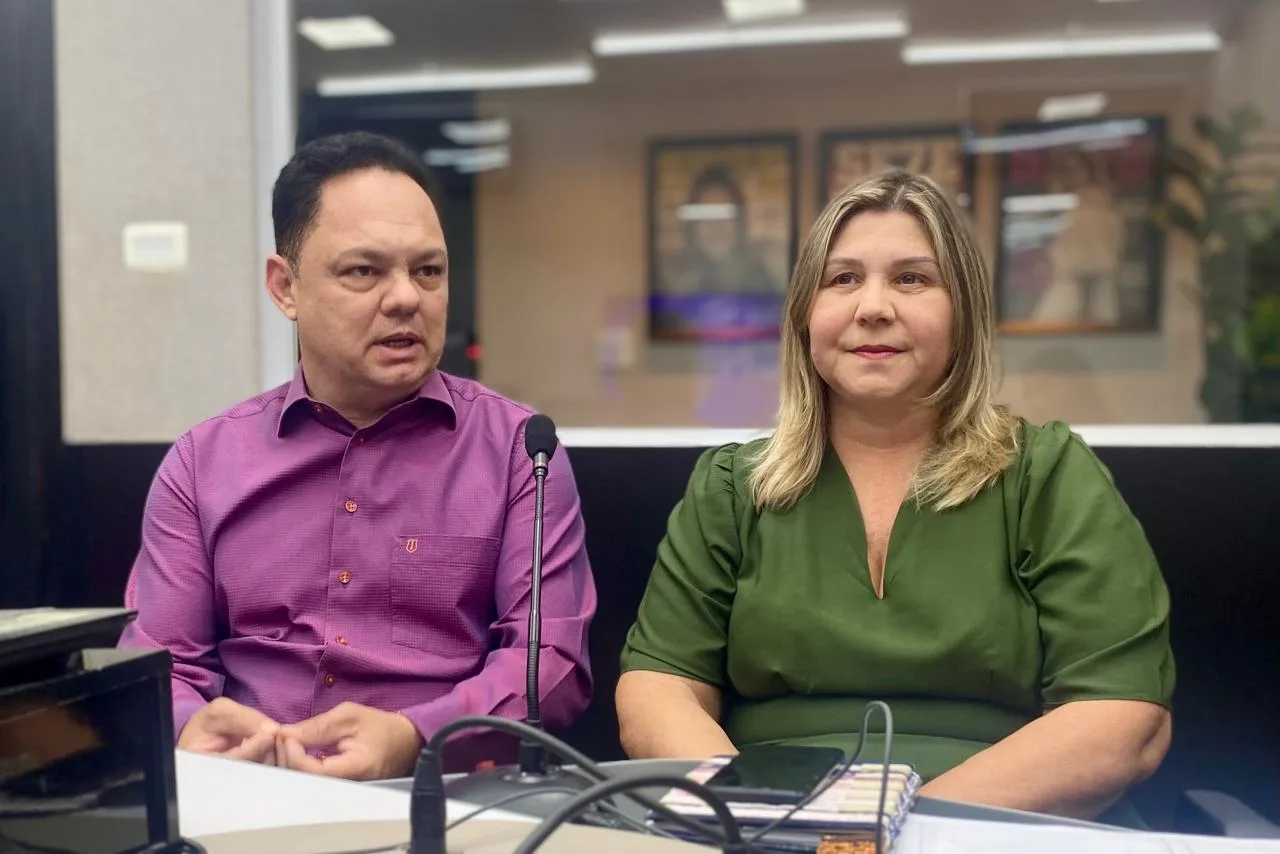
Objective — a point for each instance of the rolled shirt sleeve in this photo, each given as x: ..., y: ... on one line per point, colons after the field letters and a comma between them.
x: 1102, y: 603
x: 683, y: 622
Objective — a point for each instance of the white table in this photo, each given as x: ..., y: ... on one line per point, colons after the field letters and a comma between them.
x: 223, y: 796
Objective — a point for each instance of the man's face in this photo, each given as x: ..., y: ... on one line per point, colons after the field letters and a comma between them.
x: 370, y: 292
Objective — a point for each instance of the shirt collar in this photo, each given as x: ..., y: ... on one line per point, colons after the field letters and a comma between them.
x: 434, y: 389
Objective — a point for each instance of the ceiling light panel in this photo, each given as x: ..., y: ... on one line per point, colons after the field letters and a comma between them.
x: 740, y: 11
x: 675, y: 41
x: 1061, y: 108
x: 356, y: 31
x: 459, y: 80
x: 1002, y: 50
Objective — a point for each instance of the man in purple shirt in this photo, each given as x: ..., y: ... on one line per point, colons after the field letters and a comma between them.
x: 341, y: 565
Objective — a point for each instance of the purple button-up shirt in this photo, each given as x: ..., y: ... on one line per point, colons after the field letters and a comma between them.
x: 291, y: 562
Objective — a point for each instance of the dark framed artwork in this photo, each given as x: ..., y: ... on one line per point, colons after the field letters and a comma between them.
x: 940, y: 152
x: 1080, y: 250
x: 722, y: 236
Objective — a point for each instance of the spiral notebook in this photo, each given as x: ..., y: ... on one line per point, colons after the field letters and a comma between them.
x: 843, y: 818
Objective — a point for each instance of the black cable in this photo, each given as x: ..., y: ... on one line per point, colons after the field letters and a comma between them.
x: 637, y: 826
x: 185, y: 846
x: 502, y: 802
x: 884, y: 769
x: 610, y: 807
x: 733, y: 842
x: 843, y: 769
x: 430, y: 756
x: 9, y: 845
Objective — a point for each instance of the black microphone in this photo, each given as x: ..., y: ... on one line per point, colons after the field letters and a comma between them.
x: 540, y: 444
x: 543, y: 787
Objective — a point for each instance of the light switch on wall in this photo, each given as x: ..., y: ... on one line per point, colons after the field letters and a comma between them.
x: 155, y: 247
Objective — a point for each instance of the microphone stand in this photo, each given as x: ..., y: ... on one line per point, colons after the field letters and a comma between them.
x: 532, y: 772
x: 533, y: 756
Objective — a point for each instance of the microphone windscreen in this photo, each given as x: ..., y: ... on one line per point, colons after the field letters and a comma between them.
x: 540, y: 436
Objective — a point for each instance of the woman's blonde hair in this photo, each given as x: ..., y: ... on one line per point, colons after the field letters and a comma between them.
x: 976, y: 438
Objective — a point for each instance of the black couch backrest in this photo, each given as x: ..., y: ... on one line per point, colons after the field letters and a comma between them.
x: 1213, y: 518
x: 1212, y: 514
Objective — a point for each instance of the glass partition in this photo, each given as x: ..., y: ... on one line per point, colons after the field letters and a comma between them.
x: 630, y: 179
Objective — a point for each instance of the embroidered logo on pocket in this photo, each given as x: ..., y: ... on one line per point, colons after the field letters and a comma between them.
x: 411, y: 545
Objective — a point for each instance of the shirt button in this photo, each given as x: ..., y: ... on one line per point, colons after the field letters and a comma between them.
x: 344, y: 577
x: 329, y: 680
x: 342, y: 641
x: 318, y: 408
x: 351, y: 506
x: 321, y: 755
x: 360, y: 441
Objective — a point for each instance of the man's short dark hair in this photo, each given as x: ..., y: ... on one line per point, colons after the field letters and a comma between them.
x: 296, y: 196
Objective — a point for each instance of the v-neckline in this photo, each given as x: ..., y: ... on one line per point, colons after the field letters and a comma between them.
x: 841, y: 488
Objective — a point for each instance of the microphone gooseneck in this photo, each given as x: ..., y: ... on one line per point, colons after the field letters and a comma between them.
x: 540, y: 444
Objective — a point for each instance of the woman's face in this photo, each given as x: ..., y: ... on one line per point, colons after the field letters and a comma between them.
x: 880, y: 326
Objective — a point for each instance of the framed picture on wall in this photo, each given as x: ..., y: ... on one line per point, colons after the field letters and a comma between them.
x: 722, y: 236
x: 1079, y: 247
x: 938, y: 152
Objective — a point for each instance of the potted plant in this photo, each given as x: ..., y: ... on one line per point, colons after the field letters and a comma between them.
x: 1237, y: 231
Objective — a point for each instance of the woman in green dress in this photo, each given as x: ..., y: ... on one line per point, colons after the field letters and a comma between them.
x: 901, y: 537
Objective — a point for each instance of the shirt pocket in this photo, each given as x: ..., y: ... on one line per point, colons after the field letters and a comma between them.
x: 442, y: 593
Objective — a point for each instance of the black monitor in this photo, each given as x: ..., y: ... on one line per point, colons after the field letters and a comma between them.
x: 86, y: 736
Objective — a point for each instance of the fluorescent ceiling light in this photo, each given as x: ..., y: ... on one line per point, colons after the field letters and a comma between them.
x: 479, y: 132
x: 754, y: 10
x: 708, y: 212
x: 1095, y: 133
x: 1070, y: 107
x: 346, y: 33
x: 1048, y: 203
x: 460, y: 79
x: 671, y: 41
x: 469, y: 160
x: 996, y: 50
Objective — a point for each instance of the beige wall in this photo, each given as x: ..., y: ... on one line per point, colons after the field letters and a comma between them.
x: 562, y: 235
x: 1250, y: 68
x: 155, y: 122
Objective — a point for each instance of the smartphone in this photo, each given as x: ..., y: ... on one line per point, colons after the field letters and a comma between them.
x: 774, y: 773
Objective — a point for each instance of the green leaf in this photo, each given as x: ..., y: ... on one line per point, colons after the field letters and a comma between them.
x: 1206, y: 127
x: 1184, y: 163
x: 1231, y: 146
x: 1176, y: 215
x: 1247, y: 120
x: 1257, y: 226
x: 1241, y: 342
x: 1191, y: 290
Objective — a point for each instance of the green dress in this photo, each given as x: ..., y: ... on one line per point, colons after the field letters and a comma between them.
x: 1039, y: 591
